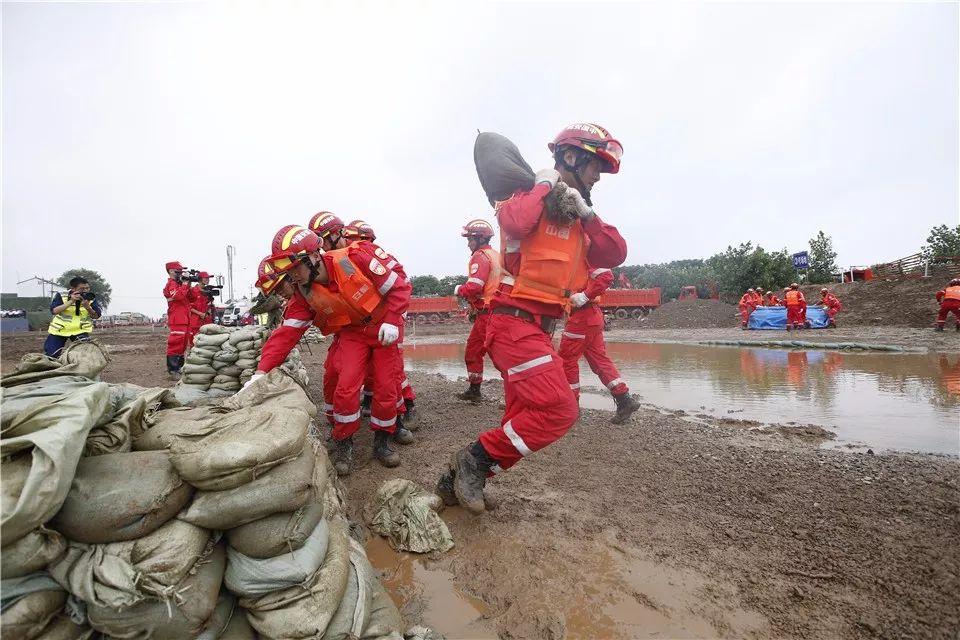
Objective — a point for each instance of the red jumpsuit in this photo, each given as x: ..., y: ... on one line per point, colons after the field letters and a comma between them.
x: 583, y: 335
x: 949, y: 299
x: 180, y: 297
x: 832, y: 306
x: 540, y: 407
x: 746, y: 307
x: 472, y: 292
x: 773, y: 301
x: 796, y: 308
x: 202, y: 304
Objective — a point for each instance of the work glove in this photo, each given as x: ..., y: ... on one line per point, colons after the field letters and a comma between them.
x: 579, y: 299
x: 548, y: 176
x: 578, y: 204
x: 252, y: 379
x: 456, y: 290
x: 388, y: 334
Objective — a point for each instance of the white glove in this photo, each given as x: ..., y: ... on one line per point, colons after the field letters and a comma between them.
x: 579, y: 299
x: 583, y: 209
x: 456, y: 290
x: 252, y: 379
x: 388, y: 334
x: 550, y: 176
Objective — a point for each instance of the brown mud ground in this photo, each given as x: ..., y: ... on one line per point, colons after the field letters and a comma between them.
x: 661, y: 528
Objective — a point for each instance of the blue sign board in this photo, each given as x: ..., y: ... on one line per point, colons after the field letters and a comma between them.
x: 801, y: 260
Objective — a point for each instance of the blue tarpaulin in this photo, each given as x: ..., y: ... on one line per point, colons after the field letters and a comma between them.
x: 776, y: 318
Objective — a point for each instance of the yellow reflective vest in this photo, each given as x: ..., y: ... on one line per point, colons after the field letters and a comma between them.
x: 71, y: 322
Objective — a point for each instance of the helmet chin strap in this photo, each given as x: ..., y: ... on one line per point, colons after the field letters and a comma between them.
x: 582, y: 160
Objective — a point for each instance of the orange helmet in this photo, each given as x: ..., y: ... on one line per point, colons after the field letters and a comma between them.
x: 477, y: 229
x: 267, y: 277
x: 593, y: 139
x: 325, y: 223
x: 362, y: 230
x: 291, y: 243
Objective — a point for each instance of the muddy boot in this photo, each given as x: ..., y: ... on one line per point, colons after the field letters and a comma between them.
x: 343, y: 457
x: 956, y: 327
x: 626, y: 405
x: 472, y: 394
x: 173, y: 368
x: 382, y: 451
x: 445, y: 488
x: 410, y: 417
x: 402, y: 435
x: 470, y: 467
x: 365, y: 405
x: 939, y: 327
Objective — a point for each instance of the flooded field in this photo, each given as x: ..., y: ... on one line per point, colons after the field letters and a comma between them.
x: 908, y: 402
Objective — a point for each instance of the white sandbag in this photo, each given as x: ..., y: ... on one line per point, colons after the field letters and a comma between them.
x: 276, y: 534
x: 251, y: 577
x: 286, y: 487
x: 238, y: 447
x: 122, y: 574
x: 184, y: 616
x: 105, y: 505
x: 304, y: 611
x: 42, y: 477
x: 29, y: 604
x: 31, y: 553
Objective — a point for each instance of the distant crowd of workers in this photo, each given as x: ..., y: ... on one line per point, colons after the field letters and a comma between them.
x: 334, y: 276
x: 795, y: 303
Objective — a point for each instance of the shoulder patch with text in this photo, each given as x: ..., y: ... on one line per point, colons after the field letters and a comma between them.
x: 474, y: 268
x: 380, y: 253
x: 377, y: 268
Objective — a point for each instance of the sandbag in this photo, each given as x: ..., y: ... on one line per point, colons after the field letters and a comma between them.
x: 244, y: 346
x: 227, y: 356
x: 286, y: 487
x: 63, y: 628
x: 251, y: 577
x: 276, y: 534
x: 220, y: 618
x: 277, y: 389
x: 407, y: 516
x: 226, y: 386
x: 17, y: 399
x: 353, y: 614
x: 37, y: 366
x: 239, y: 627
x: 385, y: 622
x: 231, y: 371
x: 241, y: 337
x: 184, y: 616
x: 216, y: 393
x: 88, y: 356
x: 194, y: 369
x: 26, y: 617
x: 199, y: 356
x: 122, y: 574
x: 189, y: 394
x: 121, y: 496
x: 304, y: 611
x: 238, y: 447
x: 223, y: 379
x: 246, y: 363
x: 198, y: 378
x: 36, y: 483
x: 31, y: 553
x: 216, y: 330
x: 171, y: 422
x: 500, y: 167
x: 134, y: 416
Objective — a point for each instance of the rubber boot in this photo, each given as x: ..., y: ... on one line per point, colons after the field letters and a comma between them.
x: 410, y: 418
x: 472, y: 394
x: 626, y: 405
x: 365, y: 404
x: 173, y: 370
x: 939, y: 327
x: 956, y: 327
x: 449, y: 497
x: 382, y: 451
x: 470, y: 468
x: 343, y: 456
x: 402, y: 435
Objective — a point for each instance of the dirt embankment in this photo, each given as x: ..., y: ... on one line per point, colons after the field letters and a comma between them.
x: 690, y: 314
x: 891, y: 303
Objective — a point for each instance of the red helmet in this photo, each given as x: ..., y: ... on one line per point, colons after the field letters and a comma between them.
x: 325, y: 223
x: 292, y: 242
x: 203, y: 274
x: 363, y: 230
x: 592, y: 138
x: 267, y: 277
x: 477, y: 229
x: 174, y: 265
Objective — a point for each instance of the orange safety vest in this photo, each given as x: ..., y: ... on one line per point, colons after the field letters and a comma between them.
x: 493, y: 278
x: 357, y: 301
x: 792, y: 298
x: 951, y: 293
x: 553, y: 263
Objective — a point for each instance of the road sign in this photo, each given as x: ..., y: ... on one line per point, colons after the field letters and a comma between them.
x: 801, y: 260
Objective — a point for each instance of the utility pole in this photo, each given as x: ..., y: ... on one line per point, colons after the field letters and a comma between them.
x: 231, y: 251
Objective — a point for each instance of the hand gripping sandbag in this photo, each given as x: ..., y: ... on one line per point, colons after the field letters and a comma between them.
x: 29, y: 604
x: 276, y: 534
x: 122, y: 574
x: 305, y: 611
x: 286, y: 487
x: 500, y: 167
x: 240, y: 446
x: 36, y: 482
x: 31, y: 553
x: 186, y: 615
x: 121, y: 496
x: 251, y: 577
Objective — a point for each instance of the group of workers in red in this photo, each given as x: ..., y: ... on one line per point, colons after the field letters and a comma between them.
x: 188, y: 309
x: 795, y: 303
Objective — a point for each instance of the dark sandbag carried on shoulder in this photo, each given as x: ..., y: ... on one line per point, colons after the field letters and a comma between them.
x: 500, y: 167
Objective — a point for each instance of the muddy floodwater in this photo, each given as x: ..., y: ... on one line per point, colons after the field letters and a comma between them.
x: 906, y: 402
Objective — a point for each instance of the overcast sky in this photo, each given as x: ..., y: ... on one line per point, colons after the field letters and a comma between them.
x: 137, y: 133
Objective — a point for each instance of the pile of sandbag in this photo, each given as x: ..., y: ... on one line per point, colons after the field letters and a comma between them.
x: 181, y: 522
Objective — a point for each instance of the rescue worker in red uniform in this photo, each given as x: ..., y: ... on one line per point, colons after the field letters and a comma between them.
x: 483, y: 278
x: 772, y: 300
x: 545, y: 257
x: 758, y: 297
x: 949, y: 299
x: 351, y: 293
x: 180, y: 297
x: 583, y: 336
x: 831, y: 304
x: 361, y: 232
x: 746, y: 307
x: 201, y: 308
x: 796, y: 304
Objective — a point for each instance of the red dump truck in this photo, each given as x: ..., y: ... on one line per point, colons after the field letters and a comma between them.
x: 436, y: 309
x: 629, y: 303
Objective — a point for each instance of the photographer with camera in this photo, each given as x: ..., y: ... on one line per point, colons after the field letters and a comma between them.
x: 180, y: 297
x: 73, y: 316
x: 201, y: 309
